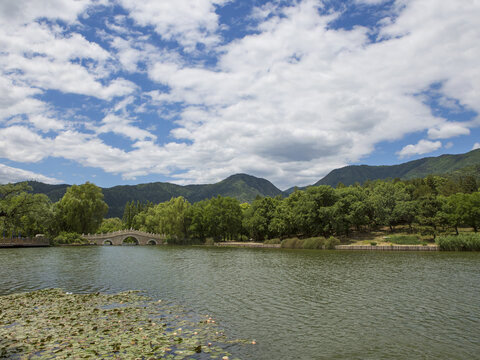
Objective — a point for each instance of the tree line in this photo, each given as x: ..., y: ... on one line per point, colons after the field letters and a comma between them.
x: 23, y: 214
x: 429, y: 206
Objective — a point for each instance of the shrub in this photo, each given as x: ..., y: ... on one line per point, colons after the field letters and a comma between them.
x: 69, y: 238
x: 331, y: 242
x: 292, y: 243
x: 461, y: 242
x: 314, y: 243
x: 209, y: 242
x: 243, y: 238
x: 373, y: 243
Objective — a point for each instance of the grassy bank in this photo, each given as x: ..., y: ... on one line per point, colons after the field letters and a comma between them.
x: 310, y: 243
x: 460, y: 242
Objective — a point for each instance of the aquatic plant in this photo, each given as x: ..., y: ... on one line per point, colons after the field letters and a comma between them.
x: 51, y: 323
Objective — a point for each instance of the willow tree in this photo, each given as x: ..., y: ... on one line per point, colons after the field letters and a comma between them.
x: 82, y: 208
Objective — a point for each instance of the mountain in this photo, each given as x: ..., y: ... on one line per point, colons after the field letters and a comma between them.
x: 240, y: 186
x: 246, y: 187
x: 441, y: 165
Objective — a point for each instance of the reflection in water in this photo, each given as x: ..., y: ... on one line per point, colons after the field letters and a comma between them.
x: 296, y: 304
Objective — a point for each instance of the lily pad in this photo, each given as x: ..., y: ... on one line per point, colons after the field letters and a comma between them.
x: 52, y: 324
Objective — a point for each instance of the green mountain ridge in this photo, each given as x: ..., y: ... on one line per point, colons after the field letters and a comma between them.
x: 246, y: 187
x: 440, y: 165
x: 240, y: 186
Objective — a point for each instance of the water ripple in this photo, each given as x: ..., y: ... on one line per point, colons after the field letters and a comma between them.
x: 296, y: 304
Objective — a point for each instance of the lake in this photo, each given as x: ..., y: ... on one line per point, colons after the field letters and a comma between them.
x: 296, y: 304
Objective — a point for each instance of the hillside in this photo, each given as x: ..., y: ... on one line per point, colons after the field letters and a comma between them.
x: 241, y: 186
x: 441, y: 165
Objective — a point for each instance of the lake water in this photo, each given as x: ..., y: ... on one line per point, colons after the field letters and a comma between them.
x: 296, y: 304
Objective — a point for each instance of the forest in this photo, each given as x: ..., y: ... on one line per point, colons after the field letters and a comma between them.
x: 429, y: 207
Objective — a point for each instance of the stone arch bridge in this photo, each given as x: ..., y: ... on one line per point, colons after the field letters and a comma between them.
x: 119, y: 237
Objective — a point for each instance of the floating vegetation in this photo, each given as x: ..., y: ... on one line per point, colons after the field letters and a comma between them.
x: 53, y: 324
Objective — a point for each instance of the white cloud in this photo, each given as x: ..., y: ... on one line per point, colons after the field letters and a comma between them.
x: 300, y: 93
x: 19, y: 12
x: 448, y: 130
x: 371, y: 2
x: 10, y: 174
x: 21, y: 144
x: 289, y: 102
x: 188, y: 22
x: 124, y: 127
x: 422, y: 147
x: 476, y: 146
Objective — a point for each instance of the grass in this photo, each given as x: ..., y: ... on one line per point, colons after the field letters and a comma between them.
x: 404, y: 239
x: 310, y: 243
x: 461, y: 242
x: 292, y: 243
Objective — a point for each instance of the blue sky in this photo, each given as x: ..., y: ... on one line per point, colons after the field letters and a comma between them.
x: 127, y: 91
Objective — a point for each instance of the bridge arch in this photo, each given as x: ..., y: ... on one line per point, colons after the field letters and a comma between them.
x: 108, y: 242
x: 130, y: 240
x: 152, y: 242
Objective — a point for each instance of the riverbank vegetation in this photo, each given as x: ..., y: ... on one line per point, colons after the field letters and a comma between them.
x: 421, y: 209
x: 461, y: 242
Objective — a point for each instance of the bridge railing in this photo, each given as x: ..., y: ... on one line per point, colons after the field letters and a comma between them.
x: 123, y: 232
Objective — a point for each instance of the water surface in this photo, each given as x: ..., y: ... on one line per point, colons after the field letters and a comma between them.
x: 296, y: 304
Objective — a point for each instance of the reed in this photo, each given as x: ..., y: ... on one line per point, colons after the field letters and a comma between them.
x: 460, y: 242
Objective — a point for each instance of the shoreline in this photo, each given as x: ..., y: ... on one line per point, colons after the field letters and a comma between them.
x: 337, y: 247
x: 247, y: 244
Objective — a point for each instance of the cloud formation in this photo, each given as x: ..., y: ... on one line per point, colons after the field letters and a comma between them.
x: 422, y: 147
x: 290, y: 99
x: 10, y: 174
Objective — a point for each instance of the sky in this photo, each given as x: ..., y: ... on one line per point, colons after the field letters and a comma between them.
x: 193, y: 91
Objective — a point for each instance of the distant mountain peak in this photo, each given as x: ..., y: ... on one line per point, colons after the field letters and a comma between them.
x: 420, y: 168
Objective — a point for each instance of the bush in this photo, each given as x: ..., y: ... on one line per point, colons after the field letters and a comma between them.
x: 293, y: 243
x: 243, y: 238
x: 405, y: 239
x: 461, y: 242
x: 314, y: 243
x: 272, y: 241
x: 69, y: 238
x: 209, y: 242
x: 373, y: 243
x: 331, y: 242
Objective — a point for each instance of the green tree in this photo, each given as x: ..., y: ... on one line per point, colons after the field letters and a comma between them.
x: 384, y: 199
x: 282, y: 223
x: 82, y: 208
x: 258, y: 216
x: 429, y: 216
x: 199, y: 225
x: 224, y: 218
x: 22, y: 212
x: 470, y: 210
x: 171, y: 218
x: 351, y: 209
x: 110, y: 225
